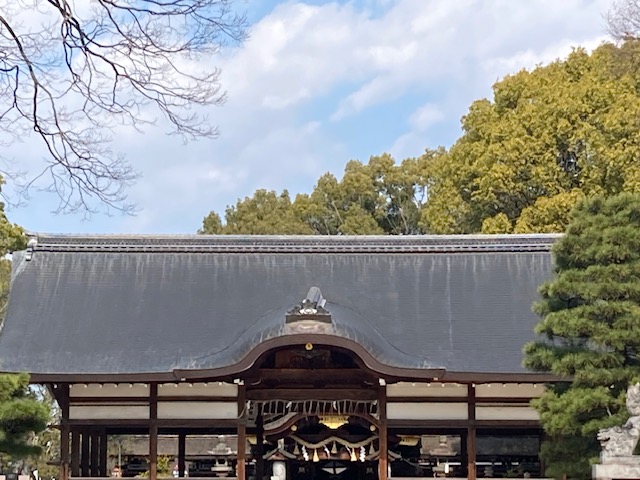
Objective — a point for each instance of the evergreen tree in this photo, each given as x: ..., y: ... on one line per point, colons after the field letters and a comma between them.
x: 590, y: 329
x: 21, y: 414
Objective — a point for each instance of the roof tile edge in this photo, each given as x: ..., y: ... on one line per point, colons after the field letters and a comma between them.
x: 293, y: 243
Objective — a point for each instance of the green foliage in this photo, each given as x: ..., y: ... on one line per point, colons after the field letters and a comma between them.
x: 569, y: 456
x: 498, y: 224
x: 379, y: 197
x: 47, y: 459
x: 547, y: 138
x: 21, y: 415
x: 212, y: 224
x: 548, y: 214
x: 164, y: 467
x: 590, y: 325
x: 264, y: 213
x: 11, y: 238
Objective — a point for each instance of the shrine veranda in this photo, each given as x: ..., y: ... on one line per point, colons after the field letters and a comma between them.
x: 339, y: 357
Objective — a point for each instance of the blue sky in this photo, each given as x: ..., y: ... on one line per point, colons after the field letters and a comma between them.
x: 319, y: 83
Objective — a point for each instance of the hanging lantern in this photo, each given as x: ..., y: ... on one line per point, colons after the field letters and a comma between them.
x: 316, y: 458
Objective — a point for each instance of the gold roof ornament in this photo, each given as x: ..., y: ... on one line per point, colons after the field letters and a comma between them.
x: 334, y: 421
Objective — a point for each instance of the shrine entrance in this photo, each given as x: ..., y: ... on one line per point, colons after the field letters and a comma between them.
x: 347, y: 449
x: 317, y: 415
x: 336, y: 470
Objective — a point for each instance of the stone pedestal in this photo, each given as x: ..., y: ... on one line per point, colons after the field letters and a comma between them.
x: 618, y: 468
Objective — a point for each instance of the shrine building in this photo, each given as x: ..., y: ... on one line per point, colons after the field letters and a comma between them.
x: 303, y: 357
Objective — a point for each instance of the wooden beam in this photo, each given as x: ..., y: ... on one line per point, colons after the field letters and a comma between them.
x: 63, y: 399
x: 95, y: 454
x: 141, y: 424
x: 182, y: 450
x: 528, y: 424
x: 479, y: 401
x: 104, y: 444
x: 241, y: 472
x: 311, y: 394
x: 463, y: 455
x: 383, y: 463
x: 84, y: 457
x: 153, y: 431
x: 461, y: 424
x: 422, y: 424
x: 138, y: 400
x: 328, y: 376
x: 75, y: 452
x: 259, y: 447
x: 471, y: 432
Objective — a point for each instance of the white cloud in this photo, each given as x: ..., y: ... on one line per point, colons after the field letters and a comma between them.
x: 531, y: 58
x: 453, y: 39
x: 425, y: 116
x: 305, y: 65
x: 414, y: 141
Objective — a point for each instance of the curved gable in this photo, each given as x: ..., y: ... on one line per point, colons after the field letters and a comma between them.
x: 169, y: 305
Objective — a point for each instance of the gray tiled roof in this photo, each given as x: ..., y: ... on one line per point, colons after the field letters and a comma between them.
x: 156, y: 304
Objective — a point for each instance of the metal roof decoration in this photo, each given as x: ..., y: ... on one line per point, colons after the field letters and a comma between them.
x: 310, y: 309
x: 172, y: 307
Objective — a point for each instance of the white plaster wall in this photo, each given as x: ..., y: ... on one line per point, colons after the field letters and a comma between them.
x: 426, y: 411
x: 110, y: 412
x: 513, y: 390
x: 109, y: 390
x: 408, y: 389
x: 211, y: 389
x: 197, y: 410
x: 506, y: 413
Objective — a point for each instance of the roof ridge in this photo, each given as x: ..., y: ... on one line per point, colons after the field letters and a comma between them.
x: 192, y: 243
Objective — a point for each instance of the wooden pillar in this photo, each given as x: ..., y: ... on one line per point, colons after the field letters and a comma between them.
x: 464, y: 466
x: 153, y: 431
x: 182, y: 451
x: 471, y: 432
x: 102, y: 464
x: 242, y: 433
x: 75, y: 452
x: 383, y: 463
x: 542, y: 437
x: 63, y: 399
x: 84, y: 455
x: 95, y: 453
x: 259, y: 447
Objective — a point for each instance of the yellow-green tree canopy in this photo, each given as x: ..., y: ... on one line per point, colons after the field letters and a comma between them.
x: 548, y: 138
x: 379, y: 197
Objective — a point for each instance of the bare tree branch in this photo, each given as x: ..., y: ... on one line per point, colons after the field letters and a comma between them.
x: 88, y: 67
x: 623, y: 20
